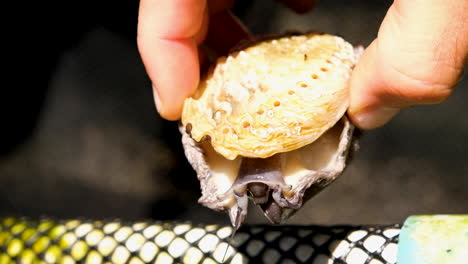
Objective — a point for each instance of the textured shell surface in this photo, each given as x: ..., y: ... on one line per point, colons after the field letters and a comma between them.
x: 275, y: 96
x: 268, y: 124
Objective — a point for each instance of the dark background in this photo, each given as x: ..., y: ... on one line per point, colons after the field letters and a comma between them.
x: 81, y: 137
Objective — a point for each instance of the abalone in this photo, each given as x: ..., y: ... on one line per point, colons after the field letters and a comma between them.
x: 268, y: 122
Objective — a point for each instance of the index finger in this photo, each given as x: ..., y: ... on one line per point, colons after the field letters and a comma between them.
x: 166, y: 41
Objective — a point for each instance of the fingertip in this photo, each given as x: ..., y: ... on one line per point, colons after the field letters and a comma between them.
x: 174, y: 72
x: 363, y: 83
x: 163, y: 111
x: 372, y: 118
x: 415, y: 60
x: 368, y: 103
x: 169, y: 100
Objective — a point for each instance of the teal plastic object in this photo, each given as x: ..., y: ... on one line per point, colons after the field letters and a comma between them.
x: 434, y: 239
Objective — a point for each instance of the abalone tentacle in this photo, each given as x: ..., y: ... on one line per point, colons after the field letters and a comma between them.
x: 278, y: 207
x: 257, y: 177
x: 313, y: 183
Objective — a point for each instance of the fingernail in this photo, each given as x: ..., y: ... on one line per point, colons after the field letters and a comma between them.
x: 371, y: 119
x: 157, y: 100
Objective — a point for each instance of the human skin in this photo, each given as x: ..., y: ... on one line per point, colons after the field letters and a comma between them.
x: 417, y: 58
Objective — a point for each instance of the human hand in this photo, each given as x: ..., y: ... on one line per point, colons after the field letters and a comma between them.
x: 169, y: 35
x: 417, y: 58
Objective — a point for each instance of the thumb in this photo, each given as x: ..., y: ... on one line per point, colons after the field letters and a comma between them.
x: 417, y: 58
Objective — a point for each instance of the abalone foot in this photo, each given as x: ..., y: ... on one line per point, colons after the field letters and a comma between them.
x: 278, y: 185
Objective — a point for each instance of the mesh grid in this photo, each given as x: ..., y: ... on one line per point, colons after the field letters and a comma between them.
x: 83, y: 241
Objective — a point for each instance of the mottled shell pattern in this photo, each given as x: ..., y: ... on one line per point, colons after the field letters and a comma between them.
x: 273, y: 97
x: 268, y: 123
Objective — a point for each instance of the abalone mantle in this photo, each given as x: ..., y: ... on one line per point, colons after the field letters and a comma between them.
x: 315, y: 165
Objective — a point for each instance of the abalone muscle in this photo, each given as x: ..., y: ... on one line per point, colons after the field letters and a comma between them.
x: 268, y: 123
